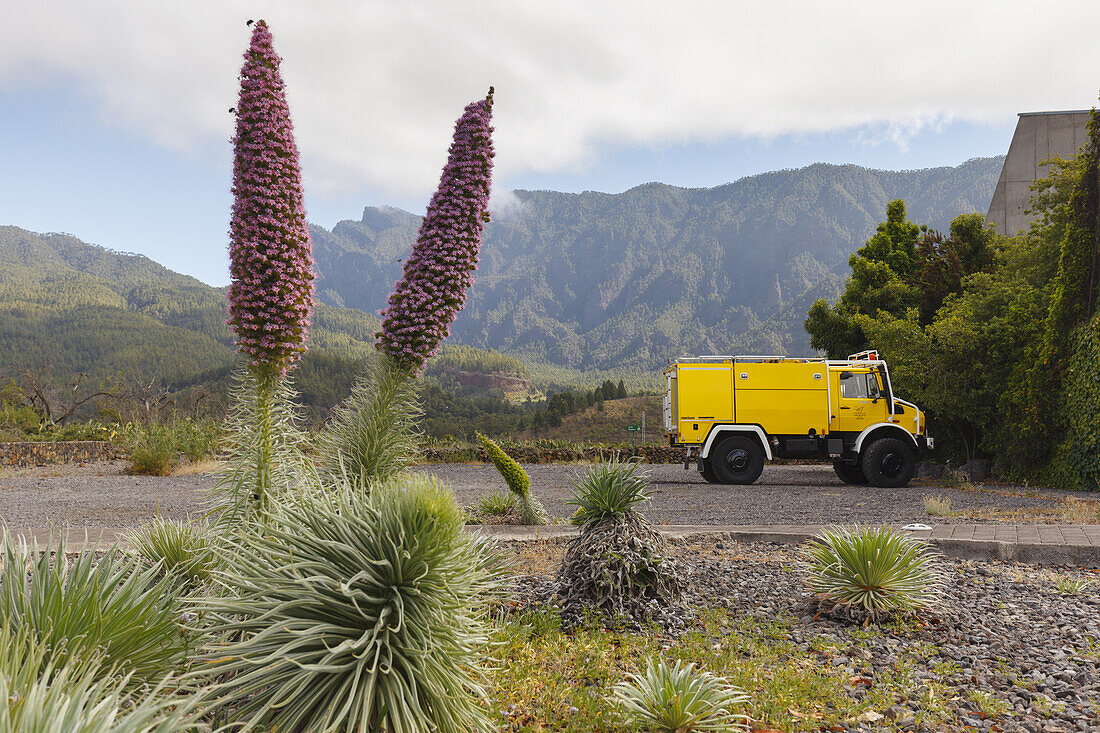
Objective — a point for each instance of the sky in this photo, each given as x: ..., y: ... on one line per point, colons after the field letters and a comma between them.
x: 115, y: 123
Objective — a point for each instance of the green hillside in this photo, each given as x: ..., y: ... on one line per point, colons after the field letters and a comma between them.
x: 626, y: 281
x: 71, y: 307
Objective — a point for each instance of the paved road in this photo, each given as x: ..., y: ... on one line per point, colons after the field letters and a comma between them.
x: 794, y: 495
x: 803, y: 494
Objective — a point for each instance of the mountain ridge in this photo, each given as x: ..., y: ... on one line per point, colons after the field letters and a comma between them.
x: 601, y: 280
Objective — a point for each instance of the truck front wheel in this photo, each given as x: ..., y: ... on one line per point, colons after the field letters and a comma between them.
x: 888, y: 463
x: 737, y: 460
x: 707, y: 469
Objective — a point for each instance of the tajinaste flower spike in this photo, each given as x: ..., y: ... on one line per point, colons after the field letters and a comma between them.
x: 440, y: 268
x: 271, y: 262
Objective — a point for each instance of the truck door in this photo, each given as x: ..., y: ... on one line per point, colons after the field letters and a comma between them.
x: 857, y: 399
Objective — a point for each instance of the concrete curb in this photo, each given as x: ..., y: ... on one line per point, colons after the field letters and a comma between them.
x: 1034, y: 553
x: 1076, y: 555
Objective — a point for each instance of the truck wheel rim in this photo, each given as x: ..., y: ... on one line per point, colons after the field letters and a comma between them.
x: 892, y: 464
x: 738, y: 460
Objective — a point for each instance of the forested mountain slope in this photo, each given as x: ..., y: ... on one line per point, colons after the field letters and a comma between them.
x: 70, y: 307
x: 632, y: 279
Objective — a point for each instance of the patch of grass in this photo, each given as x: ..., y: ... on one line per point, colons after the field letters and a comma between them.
x: 1081, y: 511
x: 987, y: 704
x: 938, y: 506
x: 549, y: 680
x: 203, y: 466
x: 1067, y: 586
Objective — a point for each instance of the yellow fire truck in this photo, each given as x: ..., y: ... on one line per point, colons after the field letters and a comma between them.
x: 732, y: 413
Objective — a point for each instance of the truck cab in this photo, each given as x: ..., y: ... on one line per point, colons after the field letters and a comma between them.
x: 731, y: 413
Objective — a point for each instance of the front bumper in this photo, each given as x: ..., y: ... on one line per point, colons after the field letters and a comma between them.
x: 926, y: 442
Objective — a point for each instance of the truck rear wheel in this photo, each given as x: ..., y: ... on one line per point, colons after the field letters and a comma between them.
x: 737, y: 460
x: 849, y: 473
x: 888, y: 463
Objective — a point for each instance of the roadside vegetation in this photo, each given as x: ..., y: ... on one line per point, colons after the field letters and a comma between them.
x: 997, y: 337
x: 332, y: 589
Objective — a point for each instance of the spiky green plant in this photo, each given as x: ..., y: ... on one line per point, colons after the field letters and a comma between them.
x: 373, y: 435
x: 108, y: 605
x: 681, y: 699
x: 530, y: 508
x: 608, y: 490
x: 82, y: 695
x: 616, y: 567
x: 495, y: 503
x: 265, y: 449
x: 356, y: 611
x: 1071, y: 586
x: 873, y: 570
x: 182, y: 549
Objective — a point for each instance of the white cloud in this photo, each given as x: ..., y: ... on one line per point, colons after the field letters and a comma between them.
x: 376, y: 86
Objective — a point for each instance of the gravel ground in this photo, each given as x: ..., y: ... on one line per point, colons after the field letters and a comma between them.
x: 792, y: 494
x: 99, y: 495
x: 1001, y: 629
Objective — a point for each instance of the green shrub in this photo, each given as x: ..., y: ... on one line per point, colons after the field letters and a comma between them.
x: 182, y: 549
x: 681, y: 699
x: 608, y: 490
x: 197, y: 440
x: 152, y: 450
x: 873, y: 570
x: 107, y: 605
x: 356, y: 610
x: 530, y: 508
x: 82, y: 695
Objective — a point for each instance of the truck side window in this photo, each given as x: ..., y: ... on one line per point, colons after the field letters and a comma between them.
x: 855, y: 386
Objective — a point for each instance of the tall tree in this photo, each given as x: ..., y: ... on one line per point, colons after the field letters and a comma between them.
x: 883, y: 274
x: 943, y: 262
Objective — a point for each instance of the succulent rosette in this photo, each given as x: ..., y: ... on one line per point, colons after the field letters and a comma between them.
x: 271, y: 261
x: 440, y: 268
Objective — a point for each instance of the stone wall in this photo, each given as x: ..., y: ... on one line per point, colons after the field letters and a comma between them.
x: 24, y: 455
x: 648, y: 454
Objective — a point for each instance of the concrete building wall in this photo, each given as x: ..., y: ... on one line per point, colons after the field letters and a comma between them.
x: 1038, y: 136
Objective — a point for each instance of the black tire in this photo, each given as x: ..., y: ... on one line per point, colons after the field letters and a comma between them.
x: 888, y: 463
x: 849, y: 473
x: 707, y: 470
x: 737, y: 460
